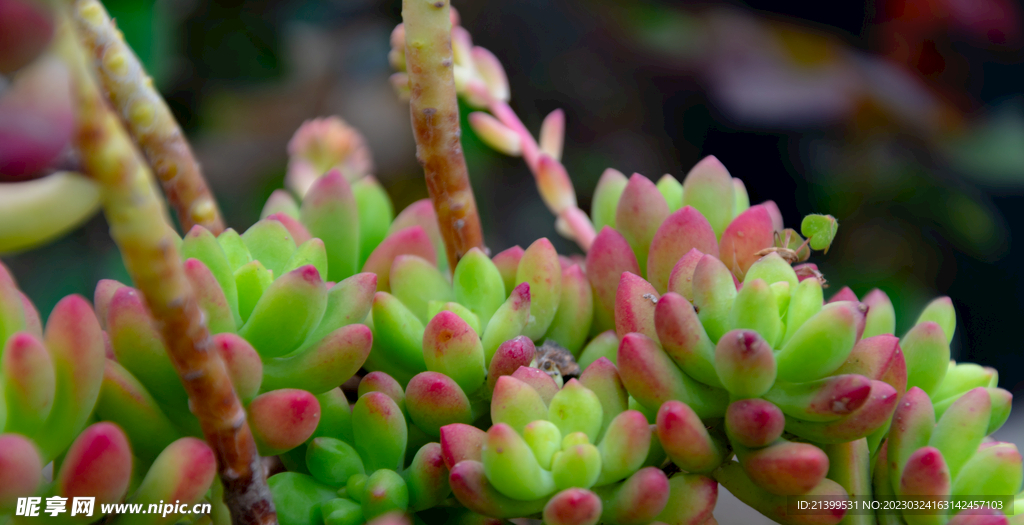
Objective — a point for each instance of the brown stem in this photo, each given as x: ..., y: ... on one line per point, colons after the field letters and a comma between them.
x: 147, y: 117
x: 435, y: 122
x: 138, y: 226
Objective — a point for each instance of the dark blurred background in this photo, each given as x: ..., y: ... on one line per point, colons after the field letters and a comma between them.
x: 902, y: 118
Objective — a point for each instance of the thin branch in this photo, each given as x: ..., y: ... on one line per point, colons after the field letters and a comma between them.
x: 482, y: 83
x: 137, y: 223
x: 147, y: 117
x: 435, y: 120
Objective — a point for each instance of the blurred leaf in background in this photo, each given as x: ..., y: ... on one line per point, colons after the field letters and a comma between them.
x: 990, y: 149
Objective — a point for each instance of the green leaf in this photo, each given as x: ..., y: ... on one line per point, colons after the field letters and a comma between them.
x: 820, y: 229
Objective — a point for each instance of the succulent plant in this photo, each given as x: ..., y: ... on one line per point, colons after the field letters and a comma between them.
x: 371, y: 459
x: 284, y: 334
x: 575, y: 454
x: 691, y: 346
x: 54, y: 378
x: 801, y: 390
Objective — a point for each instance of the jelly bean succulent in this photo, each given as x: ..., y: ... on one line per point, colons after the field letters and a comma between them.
x: 55, y: 380
x: 337, y: 363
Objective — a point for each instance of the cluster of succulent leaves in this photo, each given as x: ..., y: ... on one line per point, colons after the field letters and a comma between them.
x: 57, y: 382
x: 737, y: 353
x: 691, y: 346
x: 702, y: 356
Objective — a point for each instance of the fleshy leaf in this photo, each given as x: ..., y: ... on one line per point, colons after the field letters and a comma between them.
x: 331, y: 213
x: 640, y: 213
x: 820, y: 229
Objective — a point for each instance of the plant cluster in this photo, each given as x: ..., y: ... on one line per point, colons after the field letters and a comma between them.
x: 389, y: 369
x: 59, y: 386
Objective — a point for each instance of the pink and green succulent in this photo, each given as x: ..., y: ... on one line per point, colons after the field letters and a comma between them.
x: 391, y: 370
x: 57, y: 380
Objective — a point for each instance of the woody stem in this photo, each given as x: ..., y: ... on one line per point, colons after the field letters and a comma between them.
x: 435, y: 121
x: 139, y: 226
x: 146, y: 116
